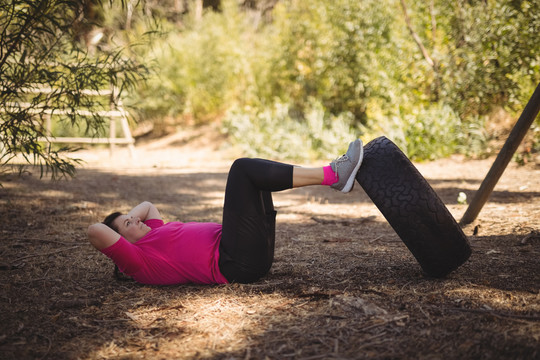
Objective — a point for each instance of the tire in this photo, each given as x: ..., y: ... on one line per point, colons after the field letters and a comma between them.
x: 412, y: 208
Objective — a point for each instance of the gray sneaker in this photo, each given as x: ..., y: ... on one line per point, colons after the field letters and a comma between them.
x: 347, y: 165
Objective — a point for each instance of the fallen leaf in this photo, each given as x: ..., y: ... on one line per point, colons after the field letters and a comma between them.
x: 132, y: 316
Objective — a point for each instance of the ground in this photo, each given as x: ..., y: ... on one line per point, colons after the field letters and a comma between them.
x: 343, y: 285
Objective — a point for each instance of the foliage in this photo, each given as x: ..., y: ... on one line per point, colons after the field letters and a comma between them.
x: 356, y: 65
x: 437, y: 131
x: 355, y: 58
x: 487, y: 58
x: 431, y: 131
x: 275, y: 134
x: 328, y: 50
x: 39, y: 52
x: 531, y: 145
x: 203, y: 70
x: 492, y: 46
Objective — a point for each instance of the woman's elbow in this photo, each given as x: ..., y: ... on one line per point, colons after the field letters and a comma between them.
x: 93, y: 230
x: 95, y: 234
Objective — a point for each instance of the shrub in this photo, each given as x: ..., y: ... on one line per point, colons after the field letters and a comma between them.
x: 275, y: 134
x: 203, y: 69
x: 431, y: 132
x: 327, y: 50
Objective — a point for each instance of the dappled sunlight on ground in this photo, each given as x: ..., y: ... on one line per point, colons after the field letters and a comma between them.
x: 225, y: 323
x: 343, y: 284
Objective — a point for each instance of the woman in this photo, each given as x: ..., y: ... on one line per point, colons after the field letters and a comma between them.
x: 239, y: 250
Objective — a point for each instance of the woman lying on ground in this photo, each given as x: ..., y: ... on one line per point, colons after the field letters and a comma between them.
x: 241, y: 249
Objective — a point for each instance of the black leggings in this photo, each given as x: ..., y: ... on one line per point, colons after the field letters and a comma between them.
x: 248, y: 236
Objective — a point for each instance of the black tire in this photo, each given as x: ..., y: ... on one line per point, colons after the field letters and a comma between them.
x: 412, y: 208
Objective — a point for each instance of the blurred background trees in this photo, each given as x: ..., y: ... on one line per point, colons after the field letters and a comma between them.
x: 52, y: 53
x: 280, y: 76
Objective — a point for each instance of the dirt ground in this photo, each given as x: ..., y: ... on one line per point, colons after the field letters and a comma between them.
x: 343, y: 285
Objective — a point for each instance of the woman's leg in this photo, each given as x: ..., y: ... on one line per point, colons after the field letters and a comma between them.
x: 307, y: 176
x: 248, y: 234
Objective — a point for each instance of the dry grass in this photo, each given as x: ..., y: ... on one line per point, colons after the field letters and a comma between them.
x: 343, y: 285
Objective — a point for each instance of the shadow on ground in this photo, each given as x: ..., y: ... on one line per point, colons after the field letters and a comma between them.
x: 343, y: 284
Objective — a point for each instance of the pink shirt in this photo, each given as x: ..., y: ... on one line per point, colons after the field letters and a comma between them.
x: 172, y: 253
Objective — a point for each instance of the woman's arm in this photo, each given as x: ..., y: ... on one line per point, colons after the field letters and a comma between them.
x: 145, y: 211
x: 102, y: 236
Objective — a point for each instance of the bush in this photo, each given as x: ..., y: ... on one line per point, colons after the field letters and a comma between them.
x: 493, y: 51
x: 275, y: 134
x: 431, y: 132
x: 328, y: 50
x: 202, y: 70
x: 358, y: 63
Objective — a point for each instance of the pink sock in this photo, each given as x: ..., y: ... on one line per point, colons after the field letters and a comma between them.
x: 330, y: 177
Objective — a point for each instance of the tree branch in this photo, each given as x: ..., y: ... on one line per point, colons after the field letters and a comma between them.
x: 17, y: 41
x: 415, y: 36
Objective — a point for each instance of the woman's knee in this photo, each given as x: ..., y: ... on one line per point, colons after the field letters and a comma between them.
x: 241, y: 168
x: 241, y: 163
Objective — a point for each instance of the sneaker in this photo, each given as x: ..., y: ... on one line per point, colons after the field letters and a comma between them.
x: 347, y: 165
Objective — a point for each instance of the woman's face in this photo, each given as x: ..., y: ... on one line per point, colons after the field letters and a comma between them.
x: 131, y: 228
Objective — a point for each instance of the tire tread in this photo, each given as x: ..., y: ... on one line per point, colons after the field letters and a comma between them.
x: 413, y: 208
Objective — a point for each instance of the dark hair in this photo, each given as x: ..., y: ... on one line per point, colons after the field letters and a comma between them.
x: 110, y: 219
